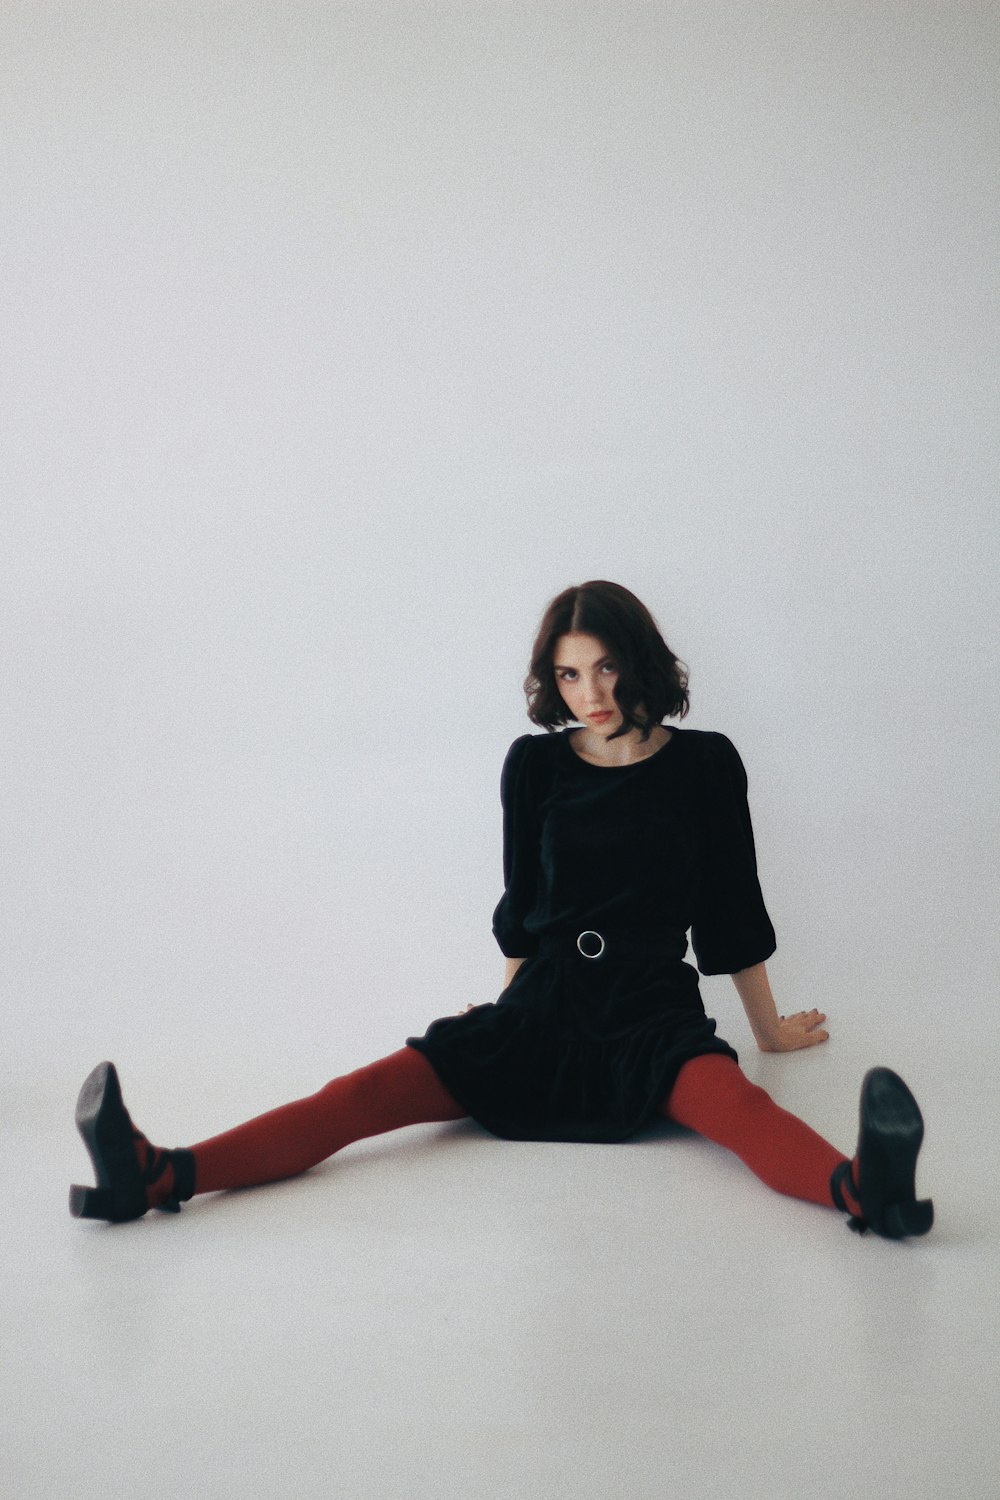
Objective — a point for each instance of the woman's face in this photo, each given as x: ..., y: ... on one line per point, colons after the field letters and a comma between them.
x: 586, y: 677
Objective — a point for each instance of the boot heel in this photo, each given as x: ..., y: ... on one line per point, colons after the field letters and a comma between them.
x: 915, y: 1217
x: 116, y: 1204
x: 91, y: 1203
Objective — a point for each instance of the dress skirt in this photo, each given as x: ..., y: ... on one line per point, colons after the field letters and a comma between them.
x: 576, y: 1049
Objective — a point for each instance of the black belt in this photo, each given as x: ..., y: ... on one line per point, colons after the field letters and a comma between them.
x: 614, y: 943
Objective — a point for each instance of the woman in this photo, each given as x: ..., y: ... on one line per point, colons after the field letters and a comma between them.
x: 619, y: 837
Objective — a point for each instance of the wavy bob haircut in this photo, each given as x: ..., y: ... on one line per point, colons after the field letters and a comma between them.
x: 650, y: 676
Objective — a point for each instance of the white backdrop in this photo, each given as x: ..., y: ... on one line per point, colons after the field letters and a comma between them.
x: 337, y: 339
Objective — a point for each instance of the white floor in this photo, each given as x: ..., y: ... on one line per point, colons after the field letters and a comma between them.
x: 440, y: 1314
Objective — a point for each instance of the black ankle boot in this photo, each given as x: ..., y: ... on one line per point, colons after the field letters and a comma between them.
x: 892, y: 1129
x: 127, y: 1167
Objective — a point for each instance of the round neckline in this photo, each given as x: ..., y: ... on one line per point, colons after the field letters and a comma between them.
x: 630, y: 765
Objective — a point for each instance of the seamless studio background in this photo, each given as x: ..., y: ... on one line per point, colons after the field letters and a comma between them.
x: 338, y: 338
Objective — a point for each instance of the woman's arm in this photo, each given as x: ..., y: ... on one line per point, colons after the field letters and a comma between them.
x: 774, y: 1033
x: 513, y: 964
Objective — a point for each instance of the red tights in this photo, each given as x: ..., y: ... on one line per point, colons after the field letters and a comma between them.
x: 714, y: 1096
x: 401, y: 1089
x: 711, y: 1096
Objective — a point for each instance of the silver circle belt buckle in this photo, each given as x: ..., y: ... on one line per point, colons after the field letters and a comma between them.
x: 583, y: 950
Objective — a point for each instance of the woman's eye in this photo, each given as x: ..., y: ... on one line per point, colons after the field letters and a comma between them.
x: 571, y: 671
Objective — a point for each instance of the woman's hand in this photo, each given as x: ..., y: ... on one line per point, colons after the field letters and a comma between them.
x: 793, y: 1032
x: 774, y: 1033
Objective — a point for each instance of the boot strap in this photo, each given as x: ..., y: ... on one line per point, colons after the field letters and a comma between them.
x: 182, y: 1162
x: 838, y: 1177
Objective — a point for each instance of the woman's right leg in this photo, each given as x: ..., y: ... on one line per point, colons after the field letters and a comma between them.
x: 133, y: 1175
x: 401, y: 1089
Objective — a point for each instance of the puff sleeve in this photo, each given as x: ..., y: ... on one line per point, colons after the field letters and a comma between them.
x: 731, y: 929
x: 521, y: 851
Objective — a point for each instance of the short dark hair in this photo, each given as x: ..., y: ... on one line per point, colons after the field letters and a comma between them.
x: 648, y: 671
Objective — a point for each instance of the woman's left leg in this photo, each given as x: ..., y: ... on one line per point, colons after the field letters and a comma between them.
x: 713, y: 1096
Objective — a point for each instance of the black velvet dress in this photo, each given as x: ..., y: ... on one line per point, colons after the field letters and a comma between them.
x: 581, y: 1048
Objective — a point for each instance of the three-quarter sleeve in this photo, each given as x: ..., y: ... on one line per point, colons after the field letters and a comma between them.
x: 521, y: 850
x: 731, y: 929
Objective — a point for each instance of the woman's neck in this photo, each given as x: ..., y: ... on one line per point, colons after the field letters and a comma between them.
x: 624, y: 751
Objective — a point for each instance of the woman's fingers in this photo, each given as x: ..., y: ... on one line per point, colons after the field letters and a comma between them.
x: 810, y: 1032
x: 803, y: 1029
